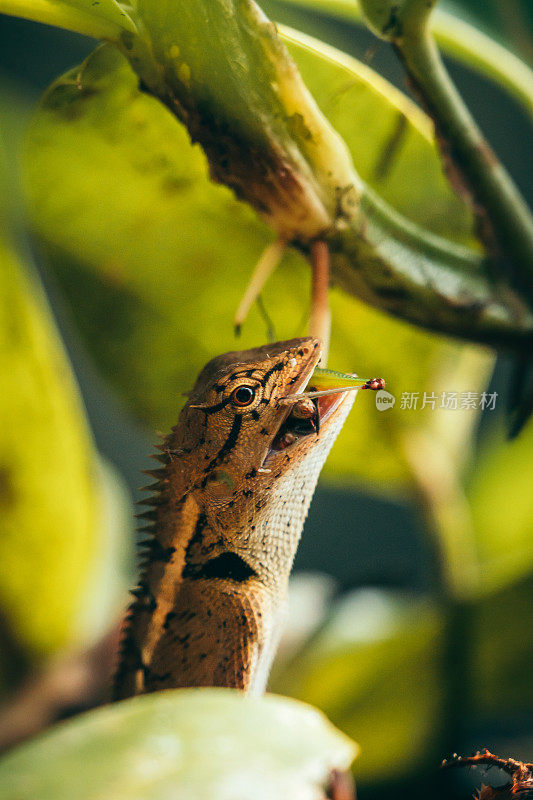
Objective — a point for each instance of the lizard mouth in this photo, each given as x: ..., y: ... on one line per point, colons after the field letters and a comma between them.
x: 305, y: 418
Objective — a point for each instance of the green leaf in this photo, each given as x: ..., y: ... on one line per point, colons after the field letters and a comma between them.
x: 502, y: 621
x: 456, y: 36
x: 500, y: 618
x: 59, y: 517
x: 154, y: 258
x: 501, y: 503
x: 374, y: 669
x: 501, y: 642
x: 47, y: 487
x: 112, y: 570
x: 186, y: 743
x: 103, y: 19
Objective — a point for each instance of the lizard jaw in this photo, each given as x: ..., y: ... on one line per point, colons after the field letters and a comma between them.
x: 297, y: 384
x: 294, y: 429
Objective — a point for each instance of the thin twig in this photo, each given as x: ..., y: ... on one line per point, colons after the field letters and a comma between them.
x: 320, y: 317
x: 264, y: 268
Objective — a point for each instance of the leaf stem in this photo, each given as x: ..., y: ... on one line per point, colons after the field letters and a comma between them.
x: 412, y: 274
x: 505, y: 221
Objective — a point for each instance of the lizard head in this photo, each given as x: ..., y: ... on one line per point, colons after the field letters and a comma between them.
x: 236, y: 428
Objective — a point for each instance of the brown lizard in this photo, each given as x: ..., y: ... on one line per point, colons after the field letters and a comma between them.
x: 239, y: 470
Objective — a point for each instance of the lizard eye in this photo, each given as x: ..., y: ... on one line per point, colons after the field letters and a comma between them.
x: 243, y: 396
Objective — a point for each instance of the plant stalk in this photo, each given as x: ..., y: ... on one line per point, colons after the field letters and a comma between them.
x: 265, y: 138
x: 505, y: 223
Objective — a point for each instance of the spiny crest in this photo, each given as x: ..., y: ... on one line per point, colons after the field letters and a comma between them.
x: 150, y: 515
x: 158, y: 474
x: 149, y: 550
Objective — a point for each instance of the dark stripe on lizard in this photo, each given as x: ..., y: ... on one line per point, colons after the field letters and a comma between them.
x: 228, y: 445
x: 226, y: 566
x: 270, y: 372
x: 215, y: 408
x: 196, y: 537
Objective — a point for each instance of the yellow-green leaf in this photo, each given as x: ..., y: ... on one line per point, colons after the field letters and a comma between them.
x: 103, y: 19
x: 47, y: 481
x: 456, y: 36
x: 58, y: 514
x: 183, y: 744
x: 502, y: 509
x: 374, y: 669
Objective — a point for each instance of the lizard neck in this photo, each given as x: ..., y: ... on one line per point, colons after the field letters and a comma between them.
x: 202, y: 616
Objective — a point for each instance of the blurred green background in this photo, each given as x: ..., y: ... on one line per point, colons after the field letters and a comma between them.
x: 412, y: 624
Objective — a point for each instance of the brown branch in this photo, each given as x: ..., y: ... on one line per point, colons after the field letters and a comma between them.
x: 520, y: 787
